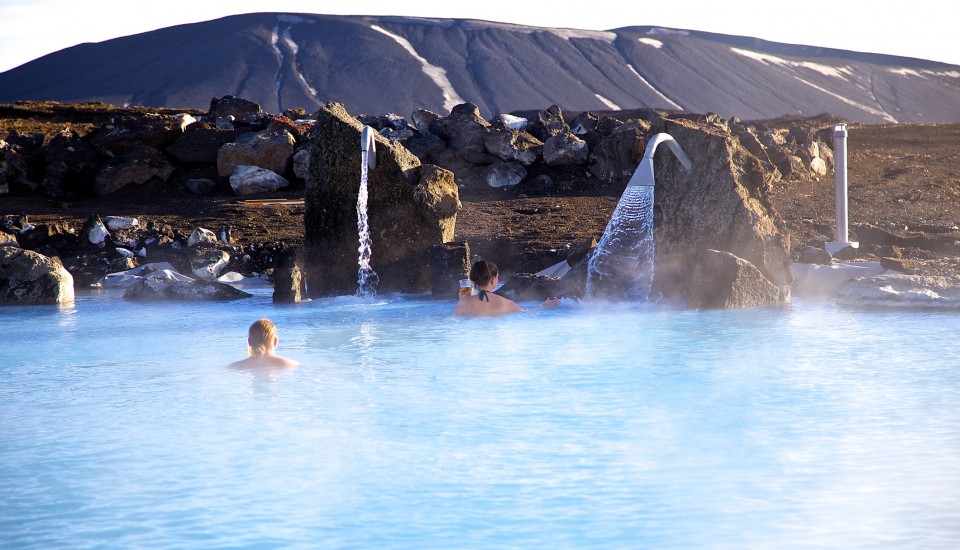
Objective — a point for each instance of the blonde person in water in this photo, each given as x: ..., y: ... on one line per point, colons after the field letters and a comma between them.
x: 485, y: 276
x: 262, y: 341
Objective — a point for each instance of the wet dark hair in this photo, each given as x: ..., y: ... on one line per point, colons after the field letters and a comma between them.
x: 482, y: 272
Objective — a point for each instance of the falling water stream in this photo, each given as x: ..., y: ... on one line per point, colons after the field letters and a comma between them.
x: 367, y: 278
x: 621, y: 267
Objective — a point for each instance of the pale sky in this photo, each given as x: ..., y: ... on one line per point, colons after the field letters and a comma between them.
x: 33, y: 28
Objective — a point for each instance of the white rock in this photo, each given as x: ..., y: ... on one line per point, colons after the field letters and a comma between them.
x: 186, y: 119
x: 212, y: 265
x: 504, y: 174
x: 301, y: 163
x: 201, y: 235
x: 98, y: 233
x: 115, y: 222
x: 818, y: 166
x: 901, y: 292
x: 826, y: 279
x: 514, y: 122
x: 122, y: 279
x: 248, y: 180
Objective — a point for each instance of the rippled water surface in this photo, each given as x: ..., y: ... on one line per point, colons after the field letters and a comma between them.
x: 583, y: 426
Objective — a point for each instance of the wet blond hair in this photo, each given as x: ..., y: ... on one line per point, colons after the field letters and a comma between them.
x: 260, y: 337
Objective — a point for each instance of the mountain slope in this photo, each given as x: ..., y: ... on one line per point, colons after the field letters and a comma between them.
x: 377, y: 65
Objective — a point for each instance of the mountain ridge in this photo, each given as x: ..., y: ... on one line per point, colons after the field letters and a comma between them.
x: 395, y: 64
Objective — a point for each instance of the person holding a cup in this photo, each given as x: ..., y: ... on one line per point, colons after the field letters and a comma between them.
x: 485, y: 276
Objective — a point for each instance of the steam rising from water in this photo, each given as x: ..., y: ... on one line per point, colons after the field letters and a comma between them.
x: 621, y: 267
x: 621, y: 426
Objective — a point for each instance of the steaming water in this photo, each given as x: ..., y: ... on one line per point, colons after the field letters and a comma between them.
x: 367, y: 278
x: 576, y: 427
x: 624, y: 255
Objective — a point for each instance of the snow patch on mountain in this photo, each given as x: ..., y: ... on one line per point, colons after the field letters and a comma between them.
x: 883, y: 114
x: 294, y: 48
x: 275, y: 44
x: 656, y: 91
x: 826, y: 70
x: 651, y: 42
x: 668, y: 32
x: 610, y: 105
x: 922, y: 73
x: 288, y: 40
x: 567, y: 34
x: 439, y: 75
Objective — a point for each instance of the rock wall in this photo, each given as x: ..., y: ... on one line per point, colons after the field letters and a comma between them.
x: 414, y: 197
x: 28, y: 278
x: 720, y: 204
x: 411, y: 208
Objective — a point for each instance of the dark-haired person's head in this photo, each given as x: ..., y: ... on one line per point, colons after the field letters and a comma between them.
x: 483, y: 272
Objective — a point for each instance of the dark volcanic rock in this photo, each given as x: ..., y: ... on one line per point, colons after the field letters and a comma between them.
x: 549, y: 123
x: 288, y: 281
x: 720, y: 204
x: 528, y: 287
x: 724, y: 281
x: 130, y: 132
x: 412, y: 207
x: 269, y: 149
x: 137, y: 166
x: 71, y: 166
x: 463, y: 129
x: 240, y: 109
x: 200, y: 143
x: 449, y: 263
x: 28, y: 278
x: 616, y: 155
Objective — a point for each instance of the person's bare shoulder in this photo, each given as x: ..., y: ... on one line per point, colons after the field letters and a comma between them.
x: 279, y: 361
x: 506, y: 305
x: 272, y: 361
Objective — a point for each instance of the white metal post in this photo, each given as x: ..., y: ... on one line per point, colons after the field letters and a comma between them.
x: 841, y: 234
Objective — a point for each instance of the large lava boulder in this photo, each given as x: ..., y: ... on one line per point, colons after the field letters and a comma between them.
x: 71, y: 166
x: 28, y: 278
x: 720, y: 204
x: 411, y: 208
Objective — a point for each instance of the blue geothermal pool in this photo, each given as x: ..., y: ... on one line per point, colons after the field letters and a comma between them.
x: 583, y: 426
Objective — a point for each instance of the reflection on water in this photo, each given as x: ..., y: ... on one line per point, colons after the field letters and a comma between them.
x: 580, y: 426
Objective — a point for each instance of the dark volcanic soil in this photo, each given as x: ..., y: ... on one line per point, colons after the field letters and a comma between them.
x: 901, y: 176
